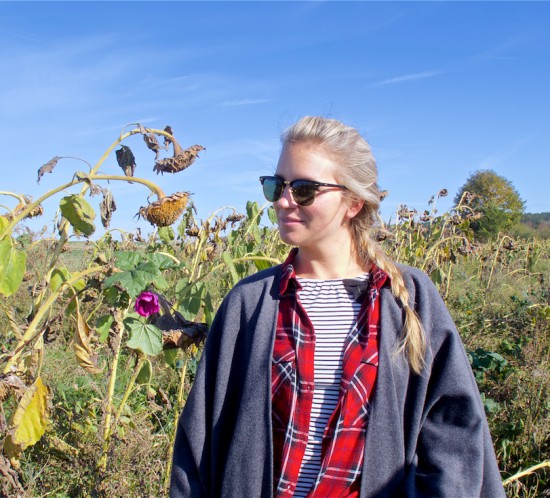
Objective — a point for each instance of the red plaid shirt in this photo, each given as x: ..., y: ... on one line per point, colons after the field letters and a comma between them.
x: 292, y: 392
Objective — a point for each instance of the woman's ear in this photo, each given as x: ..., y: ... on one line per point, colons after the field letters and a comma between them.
x: 354, y: 206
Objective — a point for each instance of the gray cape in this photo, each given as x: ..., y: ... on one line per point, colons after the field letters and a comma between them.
x: 427, y: 434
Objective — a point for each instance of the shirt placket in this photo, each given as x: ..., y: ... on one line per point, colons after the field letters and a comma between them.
x: 304, y: 336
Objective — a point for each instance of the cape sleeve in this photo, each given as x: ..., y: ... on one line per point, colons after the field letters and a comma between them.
x: 191, y: 458
x: 454, y: 451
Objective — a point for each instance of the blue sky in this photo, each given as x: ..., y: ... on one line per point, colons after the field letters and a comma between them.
x: 439, y: 89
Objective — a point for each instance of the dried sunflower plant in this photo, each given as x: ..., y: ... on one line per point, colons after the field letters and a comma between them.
x: 111, y: 304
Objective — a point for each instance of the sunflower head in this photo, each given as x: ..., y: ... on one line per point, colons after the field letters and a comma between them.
x: 165, y: 211
x: 181, y: 160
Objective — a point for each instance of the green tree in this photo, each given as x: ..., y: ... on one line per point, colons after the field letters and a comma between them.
x: 495, y: 198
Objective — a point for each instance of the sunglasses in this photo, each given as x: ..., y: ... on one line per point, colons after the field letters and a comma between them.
x: 303, y: 191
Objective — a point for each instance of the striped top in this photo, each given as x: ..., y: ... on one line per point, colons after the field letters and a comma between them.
x: 333, y: 311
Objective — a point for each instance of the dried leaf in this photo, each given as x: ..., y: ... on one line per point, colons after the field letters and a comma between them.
x: 152, y: 143
x: 126, y: 160
x: 165, y: 400
x: 180, y: 161
x: 82, y: 344
x: 10, y: 314
x: 29, y: 420
x: 96, y: 189
x: 107, y: 207
x: 167, y: 129
x: 48, y: 167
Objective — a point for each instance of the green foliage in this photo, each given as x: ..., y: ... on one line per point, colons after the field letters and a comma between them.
x: 144, y: 337
x: 495, y: 198
x: 12, y: 267
x: 79, y: 213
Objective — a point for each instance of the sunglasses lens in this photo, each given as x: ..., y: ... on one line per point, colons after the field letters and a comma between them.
x: 273, y: 188
x: 303, y: 192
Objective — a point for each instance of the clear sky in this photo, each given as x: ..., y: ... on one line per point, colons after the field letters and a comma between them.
x: 439, y: 89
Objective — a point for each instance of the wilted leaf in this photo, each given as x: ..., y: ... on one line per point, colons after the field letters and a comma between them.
x: 167, y: 129
x: 151, y: 141
x: 79, y: 213
x: 144, y: 337
x: 126, y: 160
x: 12, y: 267
x: 145, y: 374
x: 107, y: 207
x: 82, y: 344
x: 48, y: 167
x: 29, y: 420
x: 10, y: 315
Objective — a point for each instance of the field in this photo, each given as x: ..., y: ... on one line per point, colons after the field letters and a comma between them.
x: 104, y: 425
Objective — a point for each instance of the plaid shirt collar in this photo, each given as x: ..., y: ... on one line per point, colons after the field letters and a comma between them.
x: 293, y: 358
x: 289, y: 283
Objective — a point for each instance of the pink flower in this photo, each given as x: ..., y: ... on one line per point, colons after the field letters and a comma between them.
x: 147, y: 303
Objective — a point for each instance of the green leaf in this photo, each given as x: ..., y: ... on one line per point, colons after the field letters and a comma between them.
x: 12, y: 267
x: 166, y: 234
x: 58, y: 277
x: 208, y: 309
x: 272, y: 215
x: 161, y: 283
x: 161, y: 261
x: 144, y: 337
x: 261, y: 264
x: 126, y: 260
x: 437, y: 277
x: 252, y: 212
x: 79, y: 213
x: 170, y: 357
x: 3, y: 225
x: 136, y: 280
x: 190, y: 303
x: 145, y: 374
x: 103, y: 326
x: 226, y: 257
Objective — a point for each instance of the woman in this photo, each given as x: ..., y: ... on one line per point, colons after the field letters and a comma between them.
x: 337, y: 373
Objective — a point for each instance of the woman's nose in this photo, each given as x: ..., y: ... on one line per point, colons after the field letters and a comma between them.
x: 286, y: 200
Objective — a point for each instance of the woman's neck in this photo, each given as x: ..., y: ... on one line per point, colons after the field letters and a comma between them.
x: 329, y: 264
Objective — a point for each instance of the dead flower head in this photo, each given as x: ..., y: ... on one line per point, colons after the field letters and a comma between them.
x: 166, y: 210
x: 181, y: 160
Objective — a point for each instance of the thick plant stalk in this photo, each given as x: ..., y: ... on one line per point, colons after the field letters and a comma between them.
x: 178, y: 409
x: 526, y: 472
x: 102, y: 462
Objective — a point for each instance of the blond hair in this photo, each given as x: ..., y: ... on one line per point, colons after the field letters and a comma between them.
x: 357, y: 171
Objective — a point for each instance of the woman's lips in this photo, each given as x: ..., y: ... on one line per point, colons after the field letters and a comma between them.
x: 289, y: 221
